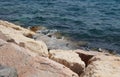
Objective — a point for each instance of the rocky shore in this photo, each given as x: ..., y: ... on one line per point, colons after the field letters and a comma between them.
x: 22, y: 55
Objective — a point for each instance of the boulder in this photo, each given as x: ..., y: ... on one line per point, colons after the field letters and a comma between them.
x: 68, y: 58
x: 103, y: 66
x: 7, y: 71
x: 29, y: 64
x: 20, y: 35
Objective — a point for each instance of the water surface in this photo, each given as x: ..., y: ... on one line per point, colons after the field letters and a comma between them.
x: 94, y: 21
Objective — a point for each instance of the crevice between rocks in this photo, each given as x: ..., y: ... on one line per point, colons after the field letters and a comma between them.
x: 85, y: 58
x: 75, y: 67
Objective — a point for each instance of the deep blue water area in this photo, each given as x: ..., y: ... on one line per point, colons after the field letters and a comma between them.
x: 94, y: 21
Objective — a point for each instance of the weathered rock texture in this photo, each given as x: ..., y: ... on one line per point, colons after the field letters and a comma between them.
x: 103, y: 66
x: 69, y: 59
x: 3, y: 37
x: 87, y: 55
x: 20, y: 36
x: 29, y: 64
x: 7, y: 71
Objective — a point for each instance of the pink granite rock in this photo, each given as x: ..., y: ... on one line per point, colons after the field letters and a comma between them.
x: 29, y: 64
x: 103, y: 66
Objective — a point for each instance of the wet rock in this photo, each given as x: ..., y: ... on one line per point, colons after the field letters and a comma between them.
x: 52, y: 43
x: 7, y: 71
x: 36, y: 28
x: 68, y: 58
x: 58, y: 35
x: 53, y: 39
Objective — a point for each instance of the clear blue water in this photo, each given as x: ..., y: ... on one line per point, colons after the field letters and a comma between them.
x: 94, y: 21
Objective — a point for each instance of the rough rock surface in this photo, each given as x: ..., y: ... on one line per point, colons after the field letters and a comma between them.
x: 29, y: 64
x: 87, y: 55
x: 20, y: 35
x: 7, y: 71
x: 103, y: 66
x: 69, y: 59
x: 3, y: 37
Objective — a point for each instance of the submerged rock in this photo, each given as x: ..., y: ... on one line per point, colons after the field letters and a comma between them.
x: 53, y: 43
x: 36, y: 28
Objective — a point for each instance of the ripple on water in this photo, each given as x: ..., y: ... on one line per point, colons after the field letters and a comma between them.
x: 82, y: 20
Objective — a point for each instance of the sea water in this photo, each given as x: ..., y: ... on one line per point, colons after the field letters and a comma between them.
x: 94, y: 21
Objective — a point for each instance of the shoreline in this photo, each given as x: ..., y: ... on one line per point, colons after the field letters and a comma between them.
x: 58, y: 41
x: 30, y: 57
